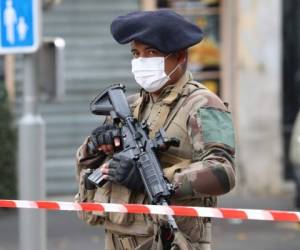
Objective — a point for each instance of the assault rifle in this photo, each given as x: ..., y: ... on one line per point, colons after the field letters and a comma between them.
x: 136, y: 145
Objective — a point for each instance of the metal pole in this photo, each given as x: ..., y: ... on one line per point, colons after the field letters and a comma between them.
x: 31, y: 162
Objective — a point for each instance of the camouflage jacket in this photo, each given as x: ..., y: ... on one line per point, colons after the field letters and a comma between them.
x: 201, y: 168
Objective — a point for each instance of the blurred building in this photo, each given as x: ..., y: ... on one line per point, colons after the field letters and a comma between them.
x: 93, y: 61
x: 249, y: 57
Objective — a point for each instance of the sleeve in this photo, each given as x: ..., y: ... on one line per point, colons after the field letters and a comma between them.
x: 84, y: 161
x: 211, y: 133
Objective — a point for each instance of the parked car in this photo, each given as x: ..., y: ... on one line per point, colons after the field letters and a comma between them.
x: 295, y: 156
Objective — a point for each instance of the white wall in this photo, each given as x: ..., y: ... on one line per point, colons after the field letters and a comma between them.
x: 258, y: 106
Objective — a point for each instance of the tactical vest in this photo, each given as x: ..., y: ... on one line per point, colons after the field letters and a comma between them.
x: 168, y: 113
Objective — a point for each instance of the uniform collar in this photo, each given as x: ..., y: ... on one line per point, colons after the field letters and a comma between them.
x: 170, y: 91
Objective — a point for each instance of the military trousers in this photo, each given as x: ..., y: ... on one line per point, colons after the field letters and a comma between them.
x: 115, y: 241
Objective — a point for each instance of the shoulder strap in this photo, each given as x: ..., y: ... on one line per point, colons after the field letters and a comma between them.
x: 189, y: 89
x: 168, y: 106
x: 140, y: 103
x: 162, y: 109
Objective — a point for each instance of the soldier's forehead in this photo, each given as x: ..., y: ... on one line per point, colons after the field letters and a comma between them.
x: 143, y: 46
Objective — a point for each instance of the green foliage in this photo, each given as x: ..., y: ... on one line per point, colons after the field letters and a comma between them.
x: 7, y: 148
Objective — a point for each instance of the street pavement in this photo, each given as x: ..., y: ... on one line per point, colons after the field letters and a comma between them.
x: 66, y: 232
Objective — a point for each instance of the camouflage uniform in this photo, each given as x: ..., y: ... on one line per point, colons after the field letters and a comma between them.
x: 190, y: 112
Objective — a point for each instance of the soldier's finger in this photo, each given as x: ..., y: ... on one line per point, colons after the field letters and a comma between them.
x: 110, y: 148
x: 102, y: 147
x: 105, y: 176
x: 117, y: 142
x: 111, y: 172
x: 105, y: 148
x: 105, y: 171
x: 105, y: 168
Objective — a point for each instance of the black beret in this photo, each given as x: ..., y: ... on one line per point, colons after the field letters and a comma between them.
x: 162, y: 29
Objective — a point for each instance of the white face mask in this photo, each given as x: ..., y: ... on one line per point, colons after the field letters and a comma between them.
x: 149, y: 72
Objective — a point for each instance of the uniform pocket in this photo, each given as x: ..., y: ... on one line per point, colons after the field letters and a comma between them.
x: 120, y: 195
x: 102, y: 196
x: 192, y: 227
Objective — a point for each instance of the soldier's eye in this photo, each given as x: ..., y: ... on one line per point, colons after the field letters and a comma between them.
x: 135, y: 54
x: 152, y: 52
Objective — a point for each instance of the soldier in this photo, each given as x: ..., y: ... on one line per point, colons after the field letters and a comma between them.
x: 201, y: 168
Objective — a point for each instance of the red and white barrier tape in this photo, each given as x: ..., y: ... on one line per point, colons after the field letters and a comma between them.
x: 224, y: 213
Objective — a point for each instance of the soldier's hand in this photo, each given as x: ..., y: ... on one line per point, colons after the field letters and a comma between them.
x: 124, y: 171
x: 105, y: 138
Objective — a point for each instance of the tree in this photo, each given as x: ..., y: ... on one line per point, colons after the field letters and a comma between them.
x: 8, y: 146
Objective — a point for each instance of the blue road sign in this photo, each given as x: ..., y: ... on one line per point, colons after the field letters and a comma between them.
x: 19, y: 26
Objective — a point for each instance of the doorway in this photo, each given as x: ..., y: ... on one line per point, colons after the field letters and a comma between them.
x: 291, y: 75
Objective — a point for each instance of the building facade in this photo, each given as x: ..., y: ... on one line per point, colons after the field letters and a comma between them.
x: 250, y: 78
